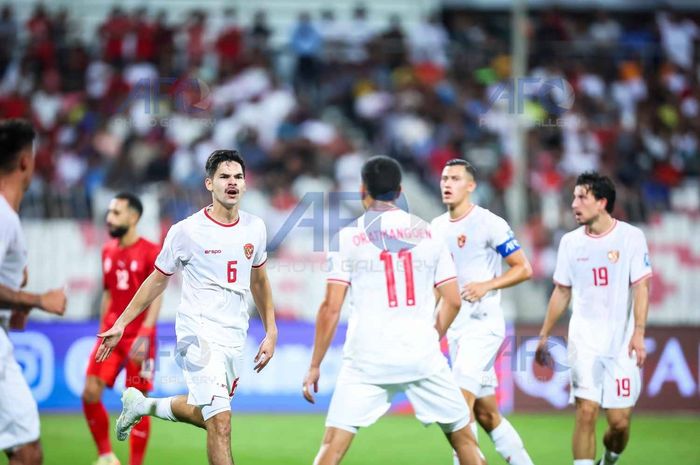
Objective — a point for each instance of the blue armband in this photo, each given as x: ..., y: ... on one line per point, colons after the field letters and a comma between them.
x: 508, y: 247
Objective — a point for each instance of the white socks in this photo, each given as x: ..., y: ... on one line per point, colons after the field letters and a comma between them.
x: 584, y: 462
x: 508, y: 443
x: 159, y: 408
x: 609, y: 458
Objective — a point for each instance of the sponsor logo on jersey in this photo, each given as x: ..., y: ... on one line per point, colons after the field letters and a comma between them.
x: 647, y: 262
x: 208, y: 251
x: 614, y: 256
x: 461, y: 240
x: 134, y: 266
x: 248, y: 250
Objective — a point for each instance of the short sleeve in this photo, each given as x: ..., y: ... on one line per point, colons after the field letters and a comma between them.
x: 640, y: 265
x: 261, y: 253
x: 562, y: 272
x: 170, y: 258
x: 502, y: 237
x: 445, y: 270
x: 339, y: 269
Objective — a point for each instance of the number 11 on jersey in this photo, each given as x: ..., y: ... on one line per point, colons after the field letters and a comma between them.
x: 407, y: 259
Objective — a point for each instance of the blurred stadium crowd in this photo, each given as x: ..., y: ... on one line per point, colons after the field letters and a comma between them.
x: 149, y: 97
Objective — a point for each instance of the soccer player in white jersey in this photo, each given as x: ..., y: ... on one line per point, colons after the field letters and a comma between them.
x: 603, y: 268
x: 392, y: 265
x: 221, y: 251
x: 479, y: 241
x: 19, y: 417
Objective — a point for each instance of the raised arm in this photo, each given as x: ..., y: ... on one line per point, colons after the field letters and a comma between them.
x: 262, y: 296
x: 326, y: 325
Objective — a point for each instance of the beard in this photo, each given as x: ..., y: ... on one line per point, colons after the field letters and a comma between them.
x: 117, y: 231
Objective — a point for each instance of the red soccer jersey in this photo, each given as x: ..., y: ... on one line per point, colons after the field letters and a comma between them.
x: 124, y: 269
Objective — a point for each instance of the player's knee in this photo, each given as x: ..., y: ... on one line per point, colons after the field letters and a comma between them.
x: 38, y: 454
x: 587, y: 413
x: 92, y: 393
x: 31, y: 454
x: 619, y: 424
x: 488, y: 419
x: 220, y: 424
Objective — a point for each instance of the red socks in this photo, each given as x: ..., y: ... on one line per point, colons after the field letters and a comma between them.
x: 98, y: 422
x: 138, y: 441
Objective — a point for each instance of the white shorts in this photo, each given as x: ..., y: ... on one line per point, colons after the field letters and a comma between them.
x: 357, y: 403
x: 611, y: 382
x: 473, y: 356
x: 19, y: 416
x: 210, y: 371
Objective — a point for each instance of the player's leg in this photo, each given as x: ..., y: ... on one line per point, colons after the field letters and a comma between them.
x: 354, y: 404
x: 97, y: 418
x: 99, y: 376
x: 217, y: 422
x: 140, y: 376
x: 584, y: 431
x: 505, y: 438
x: 472, y: 355
x: 27, y: 454
x: 335, y: 444
x: 617, y: 435
x: 437, y: 399
x: 465, y: 447
x: 19, y: 414
x: 623, y: 385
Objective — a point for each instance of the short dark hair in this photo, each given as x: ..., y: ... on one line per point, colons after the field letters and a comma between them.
x: 132, y: 200
x: 602, y: 187
x: 467, y: 166
x: 381, y: 176
x: 218, y: 157
x: 15, y: 136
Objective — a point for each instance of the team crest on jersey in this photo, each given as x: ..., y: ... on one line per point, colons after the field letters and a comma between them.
x: 248, y: 250
x: 614, y: 256
x: 461, y: 240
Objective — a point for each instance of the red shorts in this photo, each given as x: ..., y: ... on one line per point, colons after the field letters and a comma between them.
x: 139, y: 376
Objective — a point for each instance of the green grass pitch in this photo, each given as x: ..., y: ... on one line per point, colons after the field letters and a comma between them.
x: 293, y: 440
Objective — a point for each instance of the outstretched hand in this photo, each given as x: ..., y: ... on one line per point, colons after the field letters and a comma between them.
x: 110, y: 339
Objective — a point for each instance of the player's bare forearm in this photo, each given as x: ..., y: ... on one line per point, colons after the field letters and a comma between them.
x: 519, y: 270
x: 151, y: 288
x: 327, y: 321
x: 53, y: 301
x: 262, y: 296
x: 153, y: 312
x: 448, y: 306
x: 558, y: 303
x: 9, y: 298
x: 640, y: 293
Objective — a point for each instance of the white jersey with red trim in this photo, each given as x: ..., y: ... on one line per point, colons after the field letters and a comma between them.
x: 13, y: 253
x: 478, y: 241
x: 601, y: 270
x: 392, y: 263
x: 216, y: 260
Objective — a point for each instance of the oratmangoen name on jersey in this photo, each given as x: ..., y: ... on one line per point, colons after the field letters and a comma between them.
x: 395, y: 234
